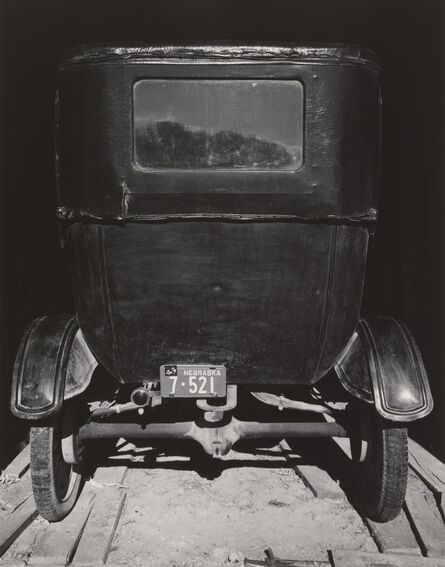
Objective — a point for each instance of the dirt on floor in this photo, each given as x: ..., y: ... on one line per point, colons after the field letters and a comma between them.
x: 195, y: 512
x: 183, y: 508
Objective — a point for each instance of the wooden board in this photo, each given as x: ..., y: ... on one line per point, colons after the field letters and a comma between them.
x: 395, y: 536
x: 428, y: 468
x: 273, y: 561
x: 287, y: 563
x: 18, y: 521
x: 316, y: 479
x: 109, y: 476
x: 17, y: 493
x: 59, y: 543
x: 96, y: 541
x: 424, y: 515
x: 363, y: 559
x: 319, y: 482
x: 19, y: 501
x: 85, y: 537
x: 20, y: 464
x: 23, y: 546
x: 20, y: 563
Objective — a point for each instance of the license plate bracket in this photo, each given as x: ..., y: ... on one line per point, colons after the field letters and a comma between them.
x: 193, y: 381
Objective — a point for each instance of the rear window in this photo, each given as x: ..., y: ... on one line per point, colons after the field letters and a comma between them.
x: 218, y: 124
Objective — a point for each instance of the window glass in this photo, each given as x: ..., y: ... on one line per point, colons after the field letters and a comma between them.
x: 218, y: 124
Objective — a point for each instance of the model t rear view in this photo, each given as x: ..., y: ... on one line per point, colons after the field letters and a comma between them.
x: 216, y: 204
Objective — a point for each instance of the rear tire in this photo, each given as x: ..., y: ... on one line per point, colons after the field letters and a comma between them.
x: 55, y: 483
x: 380, y: 478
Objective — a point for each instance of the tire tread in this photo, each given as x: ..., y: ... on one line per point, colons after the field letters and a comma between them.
x: 42, y: 476
x: 381, y: 479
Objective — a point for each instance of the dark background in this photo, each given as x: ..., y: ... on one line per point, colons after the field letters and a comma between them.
x: 405, y: 274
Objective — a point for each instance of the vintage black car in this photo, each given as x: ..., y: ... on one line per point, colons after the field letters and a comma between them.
x: 215, y: 206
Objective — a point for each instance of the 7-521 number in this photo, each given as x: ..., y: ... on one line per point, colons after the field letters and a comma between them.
x: 196, y: 385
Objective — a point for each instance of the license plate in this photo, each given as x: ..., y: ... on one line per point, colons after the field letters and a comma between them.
x: 193, y: 381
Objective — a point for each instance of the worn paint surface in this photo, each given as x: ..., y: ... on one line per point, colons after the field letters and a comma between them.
x: 259, y: 270
x: 273, y: 302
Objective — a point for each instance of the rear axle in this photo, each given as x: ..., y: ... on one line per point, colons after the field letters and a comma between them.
x: 215, y: 439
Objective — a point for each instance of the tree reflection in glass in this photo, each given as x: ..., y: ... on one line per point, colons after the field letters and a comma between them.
x: 191, y: 124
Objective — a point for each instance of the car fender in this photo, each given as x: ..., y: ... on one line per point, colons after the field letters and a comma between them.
x: 382, y: 365
x: 53, y: 363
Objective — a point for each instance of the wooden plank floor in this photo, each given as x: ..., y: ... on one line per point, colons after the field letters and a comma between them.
x: 395, y: 536
x: 85, y: 537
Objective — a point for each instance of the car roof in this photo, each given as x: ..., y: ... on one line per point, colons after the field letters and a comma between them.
x: 223, y: 51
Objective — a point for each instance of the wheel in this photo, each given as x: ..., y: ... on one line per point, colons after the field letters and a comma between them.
x: 56, y: 483
x: 380, y: 463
